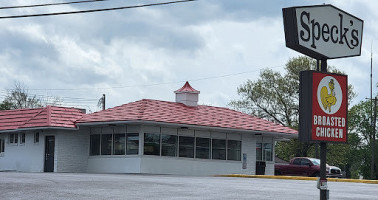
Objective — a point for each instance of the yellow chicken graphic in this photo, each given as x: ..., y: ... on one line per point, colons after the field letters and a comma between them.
x: 328, y: 99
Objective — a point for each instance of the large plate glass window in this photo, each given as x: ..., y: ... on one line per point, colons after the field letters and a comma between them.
x: 152, y: 144
x: 234, y: 150
x: 106, y: 144
x: 132, y: 146
x: 186, y: 148
x: 119, y: 144
x: 95, y: 145
x: 168, y: 145
x: 203, y: 148
x: 219, y: 149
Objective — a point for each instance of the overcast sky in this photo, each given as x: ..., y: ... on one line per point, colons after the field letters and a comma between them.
x: 147, y: 53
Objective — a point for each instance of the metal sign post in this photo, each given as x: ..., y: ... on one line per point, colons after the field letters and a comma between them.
x: 323, y: 151
x: 323, y: 32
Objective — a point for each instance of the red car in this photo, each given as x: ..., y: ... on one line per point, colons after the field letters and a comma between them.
x: 304, y: 166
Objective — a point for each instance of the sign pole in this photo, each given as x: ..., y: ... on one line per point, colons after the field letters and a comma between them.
x: 323, y: 32
x: 323, y: 149
x: 323, y: 177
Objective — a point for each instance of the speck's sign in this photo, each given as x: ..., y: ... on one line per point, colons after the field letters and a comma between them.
x: 322, y: 31
x: 323, y: 103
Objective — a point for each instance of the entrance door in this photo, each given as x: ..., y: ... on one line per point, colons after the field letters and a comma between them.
x: 49, y: 153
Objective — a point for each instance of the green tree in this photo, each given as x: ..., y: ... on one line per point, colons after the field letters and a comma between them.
x: 19, y: 98
x: 360, y: 125
x: 5, y: 105
x: 275, y: 97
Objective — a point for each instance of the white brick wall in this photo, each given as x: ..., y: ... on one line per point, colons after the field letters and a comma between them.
x: 249, y: 148
x: 72, y: 150
x: 27, y: 157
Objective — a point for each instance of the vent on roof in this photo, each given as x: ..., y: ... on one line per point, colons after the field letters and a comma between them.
x: 187, y: 95
x: 82, y: 110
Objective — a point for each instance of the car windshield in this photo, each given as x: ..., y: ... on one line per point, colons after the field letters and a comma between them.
x: 315, y: 161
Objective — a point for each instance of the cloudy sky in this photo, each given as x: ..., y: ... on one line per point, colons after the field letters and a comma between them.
x: 147, y: 53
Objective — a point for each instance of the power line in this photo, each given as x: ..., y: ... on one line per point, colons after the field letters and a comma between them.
x: 94, y: 10
x: 50, y: 4
x: 155, y: 84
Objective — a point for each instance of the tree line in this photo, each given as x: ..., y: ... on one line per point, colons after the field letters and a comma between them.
x: 275, y: 96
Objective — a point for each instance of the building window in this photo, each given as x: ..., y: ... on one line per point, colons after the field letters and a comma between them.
x: 95, y: 145
x: 234, y: 150
x: 106, y: 144
x: 268, y: 151
x: 36, y: 137
x: 259, y: 151
x: 132, y: 146
x: 203, y: 148
x: 264, y: 151
x: 119, y: 144
x: 186, y: 146
x: 22, y: 138
x: 13, y: 138
x: 219, y: 149
x: 2, y: 145
x: 114, y: 144
x: 152, y: 144
x: 168, y: 145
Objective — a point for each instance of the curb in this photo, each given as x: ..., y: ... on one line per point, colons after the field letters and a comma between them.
x: 300, y: 178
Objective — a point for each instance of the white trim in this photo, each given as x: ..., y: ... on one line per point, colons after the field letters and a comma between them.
x: 140, y: 122
x: 38, y: 128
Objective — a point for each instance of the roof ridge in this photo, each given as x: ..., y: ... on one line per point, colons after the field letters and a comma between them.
x: 142, y: 108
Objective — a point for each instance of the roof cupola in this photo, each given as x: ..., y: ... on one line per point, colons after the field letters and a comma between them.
x: 187, y: 95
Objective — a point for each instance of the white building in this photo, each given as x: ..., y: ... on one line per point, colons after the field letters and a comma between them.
x: 146, y: 136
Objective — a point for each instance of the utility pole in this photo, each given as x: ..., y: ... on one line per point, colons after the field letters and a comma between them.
x: 373, y: 119
x: 373, y: 142
x: 103, y: 101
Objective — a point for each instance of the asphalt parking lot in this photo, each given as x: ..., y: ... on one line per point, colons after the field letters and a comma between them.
x: 15, y: 185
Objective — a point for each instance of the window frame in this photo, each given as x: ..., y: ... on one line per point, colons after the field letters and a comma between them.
x: 154, y: 144
x: 264, y: 151
x: 201, y: 147
x: 188, y: 146
x: 2, y: 146
x: 105, y: 149
x: 168, y: 145
x: 115, y: 150
x: 129, y: 144
x: 218, y: 149
x: 95, y: 148
x: 22, y: 138
x: 13, y: 138
x: 230, y: 150
x: 36, y: 137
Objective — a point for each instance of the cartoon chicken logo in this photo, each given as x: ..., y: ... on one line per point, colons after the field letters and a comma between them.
x: 329, y: 95
x: 328, y: 99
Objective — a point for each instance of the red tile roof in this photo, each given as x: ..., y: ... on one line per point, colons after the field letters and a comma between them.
x: 50, y: 116
x: 178, y: 113
x: 187, y: 88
